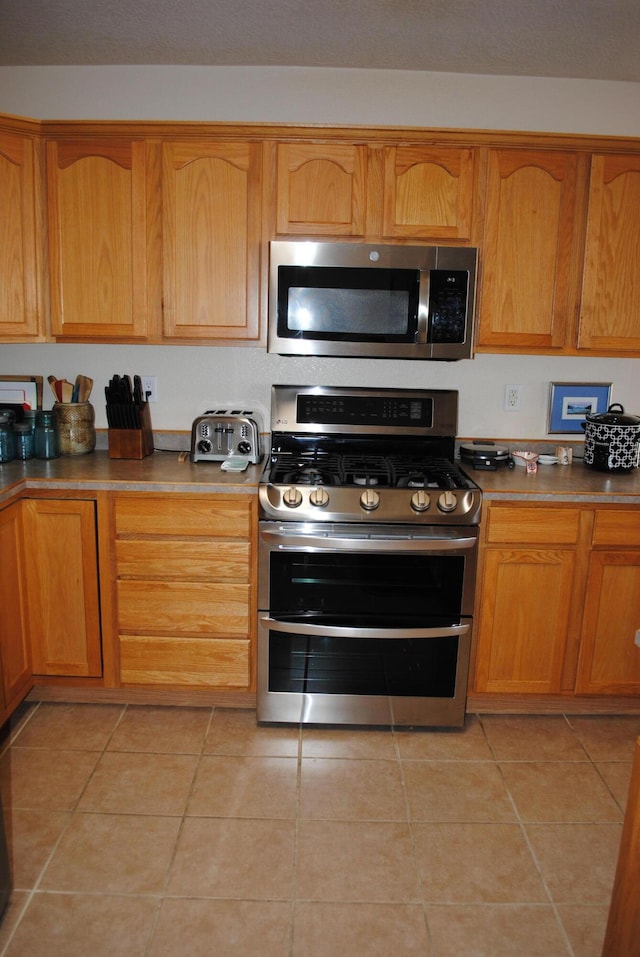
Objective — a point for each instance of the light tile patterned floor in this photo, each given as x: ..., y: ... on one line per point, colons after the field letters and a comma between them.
x: 178, y: 832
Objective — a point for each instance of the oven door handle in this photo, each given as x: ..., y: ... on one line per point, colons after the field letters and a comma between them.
x: 336, y: 631
x: 318, y: 543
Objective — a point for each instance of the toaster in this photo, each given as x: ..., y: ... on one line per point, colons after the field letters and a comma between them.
x: 220, y: 433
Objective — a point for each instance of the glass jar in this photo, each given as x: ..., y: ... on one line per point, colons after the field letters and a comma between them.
x: 46, y: 436
x: 76, y: 430
x: 23, y: 441
x: 29, y: 416
x: 6, y: 439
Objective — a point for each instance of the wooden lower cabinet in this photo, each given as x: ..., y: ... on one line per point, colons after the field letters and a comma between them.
x: 61, y: 568
x: 523, y: 619
x: 558, y: 604
x: 184, y: 590
x: 610, y: 644
x: 15, y: 656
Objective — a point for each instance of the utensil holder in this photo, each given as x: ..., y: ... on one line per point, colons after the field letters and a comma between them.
x: 133, y: 443
x: 76, y: 429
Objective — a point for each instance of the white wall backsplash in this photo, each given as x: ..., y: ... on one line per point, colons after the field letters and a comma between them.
x: 192, y: 379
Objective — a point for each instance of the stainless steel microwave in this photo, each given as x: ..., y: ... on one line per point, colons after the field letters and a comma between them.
x: 367, y: 300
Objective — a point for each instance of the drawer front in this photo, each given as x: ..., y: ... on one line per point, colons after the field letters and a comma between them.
x: 215, y: 516
x: 189, y: 608
x: 540, y: 526
x: 205, y: 662
x: 174, y: 560
x: 617, y: 527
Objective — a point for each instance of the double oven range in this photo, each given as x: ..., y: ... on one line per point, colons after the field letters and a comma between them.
x: 367, y: 559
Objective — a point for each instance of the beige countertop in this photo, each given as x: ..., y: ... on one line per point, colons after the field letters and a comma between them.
x: 558, y: 483
x: 164, y: 472
x: 160, y: 472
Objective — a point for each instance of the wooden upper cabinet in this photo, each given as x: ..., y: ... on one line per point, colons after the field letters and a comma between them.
x: 97, y: 239
x: 321, y: 189
x: 21, y: 311
x: 364, y: 191
x: 428, y: 193
x: 528, y: 294
x: 212, y: 221
x: 610, y: 318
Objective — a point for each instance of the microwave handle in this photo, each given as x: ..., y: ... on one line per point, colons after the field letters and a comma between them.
x: 336, y: 631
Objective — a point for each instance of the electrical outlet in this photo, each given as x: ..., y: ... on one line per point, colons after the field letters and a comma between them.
x: 512, y: 397
x: 150, y: 388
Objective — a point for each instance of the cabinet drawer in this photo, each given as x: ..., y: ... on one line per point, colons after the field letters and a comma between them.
x: 617, y: 527
x: 210, y: 662
x: 178, y: 515
x: 544, y: 526
x: 174, y: 560
x: 188, y: 608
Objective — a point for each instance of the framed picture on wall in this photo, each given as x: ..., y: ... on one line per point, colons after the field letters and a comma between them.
x: 571, y: 402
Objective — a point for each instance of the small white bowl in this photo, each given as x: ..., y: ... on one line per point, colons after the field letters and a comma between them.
x: 520, y: 456
x: 548, y: 459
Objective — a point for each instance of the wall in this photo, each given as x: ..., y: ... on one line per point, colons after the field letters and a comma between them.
x: 192, y: 379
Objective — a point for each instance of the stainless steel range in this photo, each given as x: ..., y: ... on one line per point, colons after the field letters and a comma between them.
x: 368, y: 551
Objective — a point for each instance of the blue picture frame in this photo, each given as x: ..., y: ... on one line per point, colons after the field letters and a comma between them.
x: 571, y: 402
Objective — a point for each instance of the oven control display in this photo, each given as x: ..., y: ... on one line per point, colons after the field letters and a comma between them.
x: 365, y: 410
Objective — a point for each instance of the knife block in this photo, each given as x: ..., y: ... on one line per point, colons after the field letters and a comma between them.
x: 133, y: 443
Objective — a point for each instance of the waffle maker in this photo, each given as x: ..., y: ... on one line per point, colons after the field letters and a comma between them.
x: 485, y: 455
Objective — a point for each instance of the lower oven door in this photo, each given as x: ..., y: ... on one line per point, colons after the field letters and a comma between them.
x: 322, y: 674
x: 364, y: 624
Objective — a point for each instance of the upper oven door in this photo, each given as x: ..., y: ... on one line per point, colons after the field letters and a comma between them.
x: 367, y: 576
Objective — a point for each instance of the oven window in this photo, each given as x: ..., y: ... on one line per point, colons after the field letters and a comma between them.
x: 348, y: 304
x: 416, y: 667
x: 367, y: 590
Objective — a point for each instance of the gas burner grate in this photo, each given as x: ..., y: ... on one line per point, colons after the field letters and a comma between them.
x: 419, y: 472
x: 366, y: 470
x: 318, y: 467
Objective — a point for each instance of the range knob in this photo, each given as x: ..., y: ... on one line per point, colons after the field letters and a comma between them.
x: 447, y: 501
x: 319, y: 497
x: 420, y: 501
x: 369, y: 499
x: 292, y: 497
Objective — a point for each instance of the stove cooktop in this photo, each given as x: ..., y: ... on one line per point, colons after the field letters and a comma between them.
x: 366, y: 470
x: 350, y: 455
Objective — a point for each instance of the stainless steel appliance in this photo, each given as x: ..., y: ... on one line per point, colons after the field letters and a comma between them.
x: 367, y: 556
x: 220, y: 434
x: 380, y: 301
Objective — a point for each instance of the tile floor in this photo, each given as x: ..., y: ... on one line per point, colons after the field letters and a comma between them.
x: 149, y: 832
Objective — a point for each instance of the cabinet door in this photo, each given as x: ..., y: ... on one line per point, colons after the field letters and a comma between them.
x: 62, y: 581
x: 528, y: 295
x: 609, y: 660
x: 211, y: 240
x: 609, y: 320
x: 97, y: 239
x: 21, y: 315
x: 321, y: 189
x: 15, y: 659
x: 521, y: 639
x: 428, y: 193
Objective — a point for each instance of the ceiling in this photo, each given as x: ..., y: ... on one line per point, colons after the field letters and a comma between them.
x: 588, y: 39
